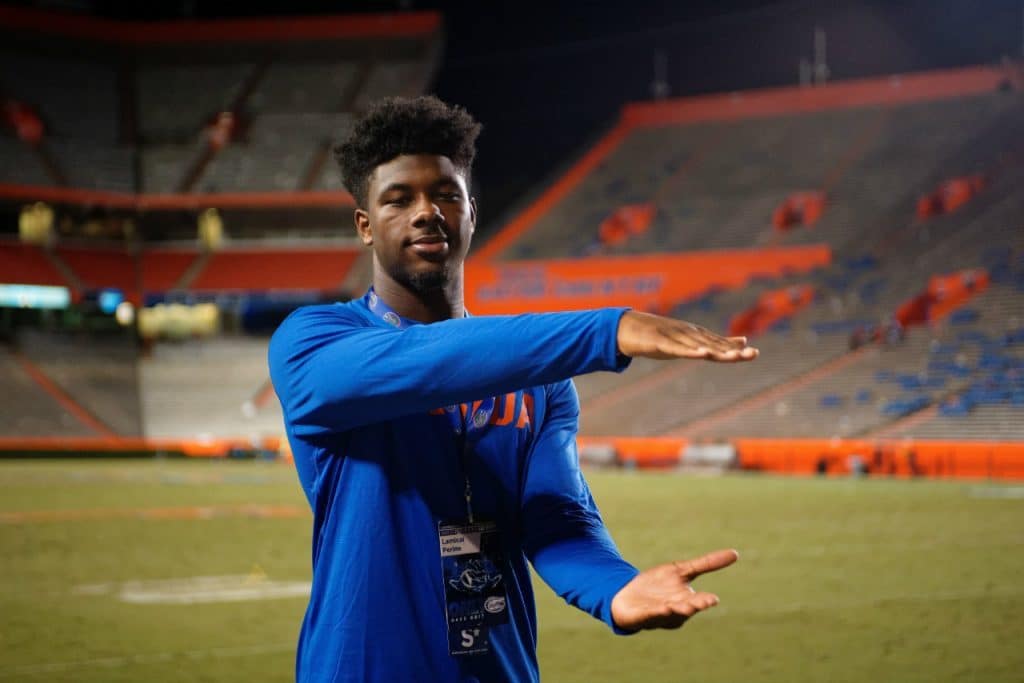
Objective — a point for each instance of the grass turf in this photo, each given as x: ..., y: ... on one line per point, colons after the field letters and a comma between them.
x: 839, y: 580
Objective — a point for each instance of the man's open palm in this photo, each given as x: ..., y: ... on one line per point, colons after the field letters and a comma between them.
x: 662, y: 597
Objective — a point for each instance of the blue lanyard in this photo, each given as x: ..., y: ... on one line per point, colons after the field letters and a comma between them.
x: 467, y: 431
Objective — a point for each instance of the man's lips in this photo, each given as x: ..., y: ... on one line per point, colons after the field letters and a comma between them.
x: 429, y: 245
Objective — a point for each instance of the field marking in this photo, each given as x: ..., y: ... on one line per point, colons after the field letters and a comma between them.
x: 260, y: 511
x: 199, y: 589
x: 148, y: 658
x: 1000, y: 492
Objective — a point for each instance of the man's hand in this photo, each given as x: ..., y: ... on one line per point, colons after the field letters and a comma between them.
x: 662, y: 597
x: 654, y: 336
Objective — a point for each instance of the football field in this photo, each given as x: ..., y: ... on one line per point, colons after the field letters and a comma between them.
x: 197, y: 571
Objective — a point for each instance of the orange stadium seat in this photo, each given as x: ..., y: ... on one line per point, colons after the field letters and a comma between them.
x: 944, y: 294
x: 625, y: 222
x: 771, y: 307
x: 24, y: 120
x: 800, y: 208
x: 950, y: 195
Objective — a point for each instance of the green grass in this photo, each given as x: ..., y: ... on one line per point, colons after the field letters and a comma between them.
x: 839, y: 580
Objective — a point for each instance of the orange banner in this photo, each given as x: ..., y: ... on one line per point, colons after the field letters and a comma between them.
x: 654, y: 282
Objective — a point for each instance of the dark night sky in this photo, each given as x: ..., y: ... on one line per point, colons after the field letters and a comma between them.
x: 547, y: 78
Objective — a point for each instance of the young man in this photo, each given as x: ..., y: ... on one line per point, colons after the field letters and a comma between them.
x: 437, y: 450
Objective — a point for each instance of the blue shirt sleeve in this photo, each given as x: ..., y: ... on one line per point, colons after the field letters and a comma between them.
x: 564, y: 535
x: 333, y: 370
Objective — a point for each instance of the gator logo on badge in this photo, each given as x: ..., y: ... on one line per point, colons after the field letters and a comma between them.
x: 494, y: 604
x: 476, y: 577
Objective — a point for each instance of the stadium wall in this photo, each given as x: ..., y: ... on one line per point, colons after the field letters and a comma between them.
x: 800, y: 457
x: 903, y: 458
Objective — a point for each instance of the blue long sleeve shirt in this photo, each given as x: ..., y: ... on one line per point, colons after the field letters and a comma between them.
x: 379, y: 463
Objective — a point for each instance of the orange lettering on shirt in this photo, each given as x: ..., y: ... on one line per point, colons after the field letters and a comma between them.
x: 504, y: 410
x: 525, y: 412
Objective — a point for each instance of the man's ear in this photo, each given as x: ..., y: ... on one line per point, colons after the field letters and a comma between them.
x: 362, y: 220
x: 472, y: 215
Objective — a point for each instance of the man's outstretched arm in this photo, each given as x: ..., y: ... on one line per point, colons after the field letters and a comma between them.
x: 332, y: 373
x: 570, y: 547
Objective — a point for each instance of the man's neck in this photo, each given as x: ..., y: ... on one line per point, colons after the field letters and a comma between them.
x: 431, y: 306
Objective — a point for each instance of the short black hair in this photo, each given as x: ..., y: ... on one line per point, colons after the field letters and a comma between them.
x: 402, y: 125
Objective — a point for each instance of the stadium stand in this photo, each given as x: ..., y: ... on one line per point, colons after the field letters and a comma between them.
x: 95, y: 166
x: 175, y: 100
x: 393, y: 78
x: 76, y: 97
x: 875, y: 163
x: 99, y: 372
x: 715, y: 185
x: 790, y: 403
x: 120, y: 90
x: 21, y: 163
x: 301, y: 87
x: 26, y: 409
x: 279, y: 150
x: 202, y: 388
x: 687, y: 176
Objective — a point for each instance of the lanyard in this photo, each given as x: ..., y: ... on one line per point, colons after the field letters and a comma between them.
x: 467, y: 420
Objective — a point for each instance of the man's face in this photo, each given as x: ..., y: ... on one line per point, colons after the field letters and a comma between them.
x: 419, y: 219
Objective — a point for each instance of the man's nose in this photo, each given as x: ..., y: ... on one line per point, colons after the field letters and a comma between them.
x: 427, y: 212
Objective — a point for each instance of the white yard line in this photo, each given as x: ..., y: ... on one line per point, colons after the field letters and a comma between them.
x: 199, y: 589
x: 1001, y: 492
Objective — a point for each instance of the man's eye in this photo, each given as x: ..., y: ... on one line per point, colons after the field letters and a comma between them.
x: 450, y: 196
x: 397, y: 201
